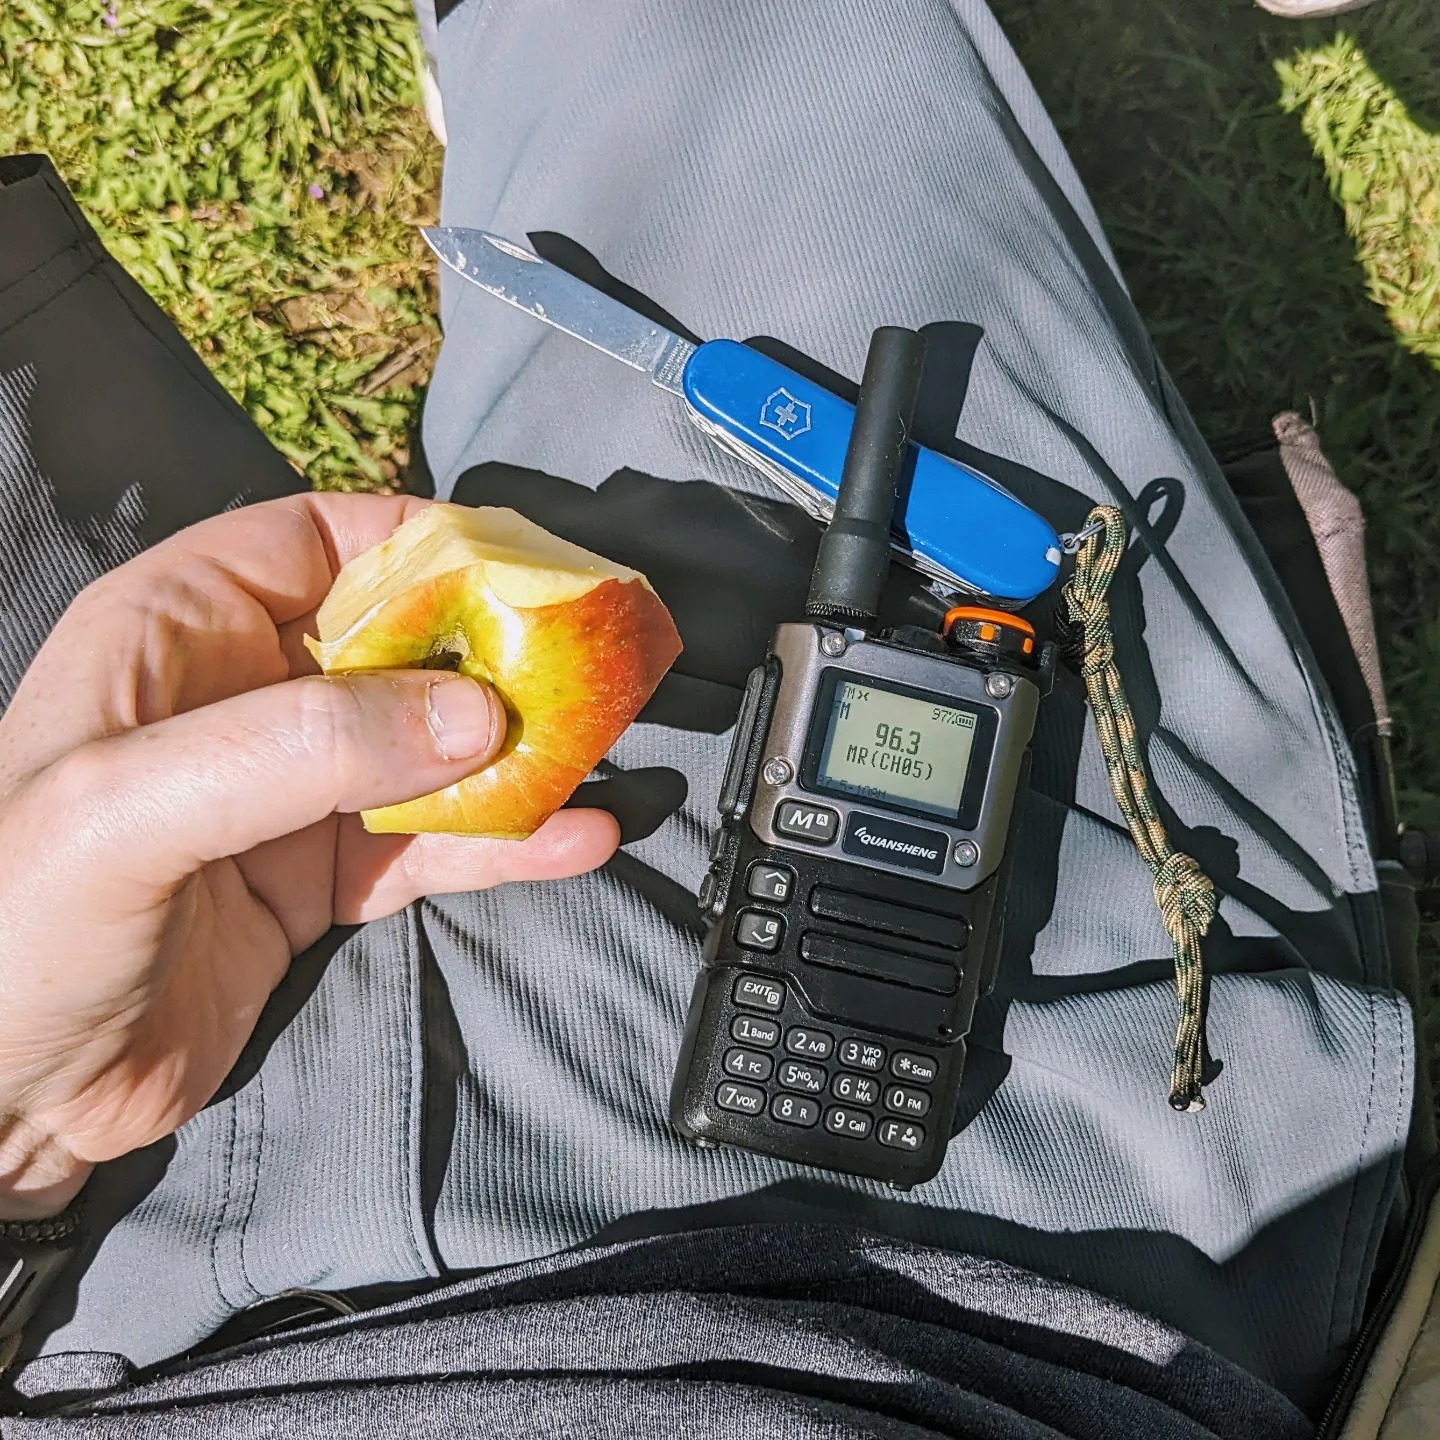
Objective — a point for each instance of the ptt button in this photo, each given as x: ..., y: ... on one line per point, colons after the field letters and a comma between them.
x: 794, y: 1110
x: 816, y: 823
x: 862, y: 1055
x: 743, y: 1099
x: 770, y: 882
x: 796, y: 1075
x: 908, y: 1066
x: 755, y: 930
x: 903, y: 1101
x: 855, y: 1089
x: 901, y: 1135
x: 759, y: 994
x: 706, y: 898
x: 748, y: 1064
x: 854, y: 1124
x: 752, y: 1030
x: 813, y: 1044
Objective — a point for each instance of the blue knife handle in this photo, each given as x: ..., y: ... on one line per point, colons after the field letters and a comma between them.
x: 962, y: 523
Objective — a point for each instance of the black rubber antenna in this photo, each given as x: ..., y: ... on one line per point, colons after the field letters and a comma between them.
x: 854, y: 556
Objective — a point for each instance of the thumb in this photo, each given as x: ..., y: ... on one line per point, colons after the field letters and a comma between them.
x: 227, y: 777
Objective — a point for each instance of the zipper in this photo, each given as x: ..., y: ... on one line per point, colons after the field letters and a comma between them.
x: 1363, y: 1348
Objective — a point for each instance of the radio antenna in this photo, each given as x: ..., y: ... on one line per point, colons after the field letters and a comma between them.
x: 854, y: 556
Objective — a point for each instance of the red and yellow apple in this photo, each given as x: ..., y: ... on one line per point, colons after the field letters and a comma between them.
x: 573, y: 644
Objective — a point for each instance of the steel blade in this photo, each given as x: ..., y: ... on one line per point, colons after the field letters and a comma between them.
x: 521, y: 278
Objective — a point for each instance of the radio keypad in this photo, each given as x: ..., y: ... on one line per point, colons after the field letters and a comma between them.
x: 752, y: 1030
x: 868, y: 1093
x: 748, y: 1064
x: 802, y: 1093
x: 797, y: 1075
x: 812, y: 1044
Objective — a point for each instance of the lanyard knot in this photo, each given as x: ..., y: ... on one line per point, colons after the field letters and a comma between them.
x: 1183, y: 892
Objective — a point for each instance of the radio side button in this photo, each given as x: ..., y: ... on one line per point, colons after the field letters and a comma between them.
x: 816, y: 824
x: 759, y: 994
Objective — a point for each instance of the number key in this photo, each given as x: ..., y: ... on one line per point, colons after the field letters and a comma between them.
x: 744, y: 1099
x: 855, y: 1089
x: 754, y: 1030
x: 815, y: 1044
x: 903, y: 1101
x: 862, y: 1055
x: 794, y: 1075
x: 749, y: 1064
x: 794, y: 1110
x: 855, y: 1124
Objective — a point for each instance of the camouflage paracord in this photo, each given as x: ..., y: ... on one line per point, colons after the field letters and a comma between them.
x: 1183, y: 891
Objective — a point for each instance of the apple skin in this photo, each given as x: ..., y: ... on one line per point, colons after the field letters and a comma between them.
x: 572, y: 674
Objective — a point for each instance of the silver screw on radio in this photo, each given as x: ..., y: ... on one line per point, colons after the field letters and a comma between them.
x: 777, y: 771
x: 998, y: 685
x: 832, y: 643
x: 967, y: 853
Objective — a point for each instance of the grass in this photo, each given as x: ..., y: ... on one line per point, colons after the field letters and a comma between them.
x: 1271, y: 190
x: 260, y: 167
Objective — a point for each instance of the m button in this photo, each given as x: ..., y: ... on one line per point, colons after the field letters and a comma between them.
x: 816, y: 824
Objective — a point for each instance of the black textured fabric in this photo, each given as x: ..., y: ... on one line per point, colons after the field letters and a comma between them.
x: 792, y: 1330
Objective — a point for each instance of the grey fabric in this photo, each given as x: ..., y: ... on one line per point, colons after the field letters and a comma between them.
x: 798, y: 1331
x: 483, y: 1080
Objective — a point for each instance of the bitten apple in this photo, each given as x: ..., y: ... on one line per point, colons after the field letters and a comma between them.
x: 573, y: 645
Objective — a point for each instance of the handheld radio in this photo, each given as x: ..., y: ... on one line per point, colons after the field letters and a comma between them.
x: 855, y: 895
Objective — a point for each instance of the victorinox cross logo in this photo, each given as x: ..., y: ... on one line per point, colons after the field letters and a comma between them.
x: 786, y: 415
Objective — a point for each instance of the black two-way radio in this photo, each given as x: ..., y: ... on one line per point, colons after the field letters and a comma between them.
x: 855, y: 894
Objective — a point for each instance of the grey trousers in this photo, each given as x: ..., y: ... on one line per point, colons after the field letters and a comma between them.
x: 483, y: 1078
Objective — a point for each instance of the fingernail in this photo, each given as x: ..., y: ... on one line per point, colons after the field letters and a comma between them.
x: 463, y: 717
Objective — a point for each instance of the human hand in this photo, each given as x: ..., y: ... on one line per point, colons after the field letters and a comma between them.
x: 177, y: 798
